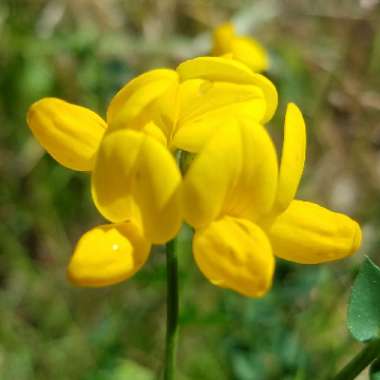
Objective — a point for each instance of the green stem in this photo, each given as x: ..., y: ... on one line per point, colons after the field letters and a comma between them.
x: 359, y: 362
x: 172, y: 309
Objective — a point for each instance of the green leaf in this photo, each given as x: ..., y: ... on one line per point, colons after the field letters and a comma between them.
x: 364, y: 305
x: 374, y: 372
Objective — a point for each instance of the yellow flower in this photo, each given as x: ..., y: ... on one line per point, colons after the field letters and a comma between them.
x: 135, y: 181
x: 244, y: 49
x: 240, y: 203
x: 243, y: 209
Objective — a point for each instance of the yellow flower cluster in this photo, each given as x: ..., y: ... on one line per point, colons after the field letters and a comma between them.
x: 236, y: 196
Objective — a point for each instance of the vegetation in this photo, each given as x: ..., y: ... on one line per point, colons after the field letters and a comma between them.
x: 325, y: 57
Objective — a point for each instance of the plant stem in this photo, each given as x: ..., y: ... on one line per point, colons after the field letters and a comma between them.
x: 359, y: 362
x: 172, y: 309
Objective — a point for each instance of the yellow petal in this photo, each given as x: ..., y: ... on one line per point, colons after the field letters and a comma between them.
x: 129, y: 105
x: 165, y: 110
x: 250, y: 52
x: 206, y: 106
x: 71, y: 134
x: 136, y: 178
x: 310, y: 234
x: 235, y: 254
x: 211, y: 177
x: 215, y: 69
x: 152, y: 130
x: 220, y: 69
x: 270, y: 94
x: 222, y: 39
x: 108, y: 254
x: 293, y: 158
x: 235, y: 174
x: 255, y: 187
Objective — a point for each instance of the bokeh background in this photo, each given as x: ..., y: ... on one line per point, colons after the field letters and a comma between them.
x: 325, y: 56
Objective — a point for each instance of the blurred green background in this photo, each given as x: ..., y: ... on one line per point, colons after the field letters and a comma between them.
x: 325, y: 56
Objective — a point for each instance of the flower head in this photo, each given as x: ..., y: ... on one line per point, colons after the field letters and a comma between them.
x: 135, y: 180
x: 234, y: 194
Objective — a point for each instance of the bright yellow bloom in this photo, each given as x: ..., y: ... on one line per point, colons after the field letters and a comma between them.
x: 135, y: 178
x: 241, y: 206
x: 240, y: 203
x: 241, y: 48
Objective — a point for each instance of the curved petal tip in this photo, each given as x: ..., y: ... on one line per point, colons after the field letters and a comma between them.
x: 108, y: 254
